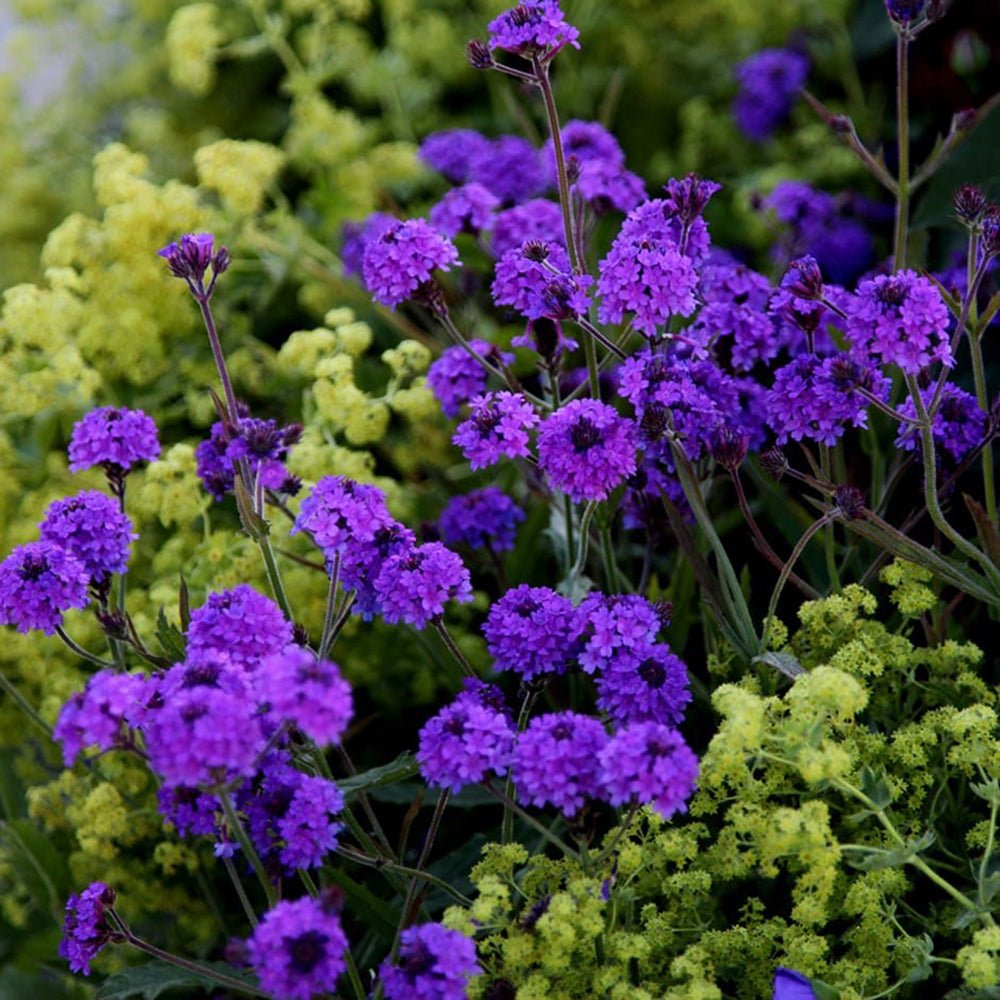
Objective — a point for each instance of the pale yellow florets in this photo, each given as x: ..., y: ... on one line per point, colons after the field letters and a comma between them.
x: 980, y: 961
x: 322, y: 136
x: 826, y: 693
x: 240, y: 171
x: 910, y: 593
x: 171, y: 490
x: 304, y: 349
x: 193, y: 40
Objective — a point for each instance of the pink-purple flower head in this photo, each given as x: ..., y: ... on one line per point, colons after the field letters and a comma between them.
x: 403, y: 259
x: 86, y: 929
x: 616, y: 624
x: 534, y: 28
x: 356, y: 236
x: 537, y: 280
x: 192, y: 255
x: 91, y: 527
x: 587, y: 449
x: 38, y: 583
x: 457, y: 376
x: 465, y: 209
x: 498, y: 426
x: 959, y: 425
x: 414, y: 586
x: 538, y: 219
x: 451, y: 152
x: 362, y: 561
x: 486, y: 518
x: 510, y: 167
x: 114, y: 437
x: 434, y: 963
x: 466, y: 742
x: 310, y: 693
x: 339, y: 511
x: 770, y: 81
x: 297, y: 950
x: 587, y: 142
x: 646, y: 683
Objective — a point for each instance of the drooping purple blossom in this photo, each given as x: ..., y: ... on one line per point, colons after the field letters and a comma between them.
x: 485, y: 518
x: 92, y: 527
x: 799, y: 305
x: 533, y: 631
x: 616, y: 624
x: 114, y: 437
x: 902, y: 319
x: 646, y: 683
x: 356, y: 236
x: 86, y: 929
x: 464, y: 743
x: 403, y: 258
x: 538, y: 219
x: 310, y: 693
x: 456, y: 376
x: 465, y: 209
x: 532, y: 28
x: 556, y: 761
x: 510, y: 167
x: 536, y: 279
x: 362, y: 561
x: 649, y: 763
x: 434, y: 963
x: 414, y: 586
x: 38, y: 583
x: 190, y: 811
x: 904, y: 11
x: 959, y: 425
x: 769, y: 81
x: 498, y: 426
x: 338, y: 511
x: 451, y: 152
x: 297, y: 950
x: 262, y: 444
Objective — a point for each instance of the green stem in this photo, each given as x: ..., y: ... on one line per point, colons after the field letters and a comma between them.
x: 533, y: 823
x: 982, y: 396
x: 380, y: 864
x: 507, y: 824
x: 274, y: 577
x: 234, y: 877
x: 385, y: 849
x: 354, y: 976
x: 236, y: 827
x: 22, y: 703
x: 81, y: 652
x: 330, y: 615
x: 829, y: 539
x: 984, y: 865
x: 903, y: 141
x: 452, y: 647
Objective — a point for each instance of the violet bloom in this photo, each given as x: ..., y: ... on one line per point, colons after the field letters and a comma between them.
x: 902, y: 319
x: 792, y: 985
x: 486, y: 518
x: 38, y: 582
x: 649, y: 763
x: 96, y: 715
x: 539, y: 219
x: 114, y: 437
x: 587, y: 142
x: 510, y: 167
x: 537, y: 280
x: 616, y: 624
x: 452, y: 151
x: 533, y: 631
x: 91, y: 527
x: 262, y: 444
x: 466, y: 209
x: 586, y: 449
x: 769, y: 82
x: 498, y: 426
x: 557, y: 761
x: 362, y: 561
x: 403, y: 258
x: 189, y: 810
x: 86, y: 929
x: 465, y: 743
x: 415, y: 585
x: 357, y: 235
x: 434, y: 963
x: 532, y: 28
x: 192, y: 256
x: 339, y: 511
x: 456, y: 376
x: 297, y: 950
x: 797, y: 305
x: 309, y: 693
x: 240, y: 625
x: 606, y: 187
x: 647, y: 683
x: 958, y: 425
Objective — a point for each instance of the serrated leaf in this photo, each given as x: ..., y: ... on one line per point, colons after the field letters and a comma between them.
x: 402, y: 768
x: 898, y: 856
x: 253, y: 524
x: 153, y: 979
x: 874, y: 785
x: 170, y: 637
x: 184, y: 603
x: 988, y: 790
x: 784, y: 663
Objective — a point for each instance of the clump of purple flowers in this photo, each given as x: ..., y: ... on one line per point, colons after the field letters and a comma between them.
x: 451, y: 152
x: 536, y: 281
x: 958, y: 426
x: 114, y: 437
x: 465, y: 209
x: 532, y: 28
x: 486, y: 518
x: 646, y: 683
x: 91, y: 527
x: 538, y: 219
x: 498, y: 426
x: 356, y: 237
x: 401, y: 260
x: 509, y: 167
x: 414, y: 585
x: 434, y: 963
x: 86, y: 929
x: 38, y: 583
x: 769, y: 83
x: 457, y: 376
x: 339, y: 511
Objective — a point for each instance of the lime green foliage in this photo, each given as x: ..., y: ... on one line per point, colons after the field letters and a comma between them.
x: 812, y: 842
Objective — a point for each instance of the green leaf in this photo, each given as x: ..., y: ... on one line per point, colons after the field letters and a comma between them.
x: 784, y: 663
x: 824, y: 991
x: 153, y: 979
x: 372, y: 911
x: 40, y: 866
x: 897, y: 857
x: 170, y: 637
x: 874, y: 785
x: 988, y: 790
x: 402, y: 768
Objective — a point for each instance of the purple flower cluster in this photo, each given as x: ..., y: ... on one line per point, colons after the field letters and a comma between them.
x: 456, y: 376
x: 190, y: 810
x: 616, y: 624
x: 339, y: 511
x: 38, y: 583
x: 262, y: 444
x: 486, y: 518
x: 452, y: 152
x: 434, y: 963
x: 114, y: 437
x: 586, y: 449
x: 498, y: 426
x: 646, y: 683
x: 532, y: 28
x: 465, y: 209
x: 414, y: 585
x: 191, y: 257
x: 509, y: 167
x: 357, y: 235
x: 91, y: 527
x: 86, y: 929
x: 401, y: 259
x: 769, y: 83
x: 958, y: 425
x: 536, y: 220
x: 536, y: 280
x: 362, y: 561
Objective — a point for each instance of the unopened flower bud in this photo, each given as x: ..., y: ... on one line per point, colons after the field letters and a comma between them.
x: 904, y: 11
x: 851, y: 502
x: 969, y: 204
x: 774, y: 462
x: 729, y: 449
x: 479, y: 55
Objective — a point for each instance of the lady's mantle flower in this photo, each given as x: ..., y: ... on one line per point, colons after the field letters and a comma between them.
x: 414, y: 586
x: 532, y: 28
x: 114, y: 437
x: 402, y: 259
x: 587, y: 449
x: 298, y: 949
x: 92, y: 527
x: 486, y: 518
x: 434, y: 963
x: 86, y: 929
x: 38, y: 582
x: 497, y: 426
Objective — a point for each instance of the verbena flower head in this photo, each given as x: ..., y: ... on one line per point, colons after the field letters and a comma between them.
x: 192, y: 255
x: 456, y: 376
x: 356, y: 236
x: 586, y: 449
x: 434, y: 963
x: 616, y: 624
x: 769, y: 82
x: 587, y: 142
x: 415, y: 585
x: 297, y: 950
x: 466, y: 209
x: 958, y: 426
x: 606, y: 187
x: 86, y: 929
x: 452, y: 151
x: 510, y: 167
x: 538, y: 219
x: 532, y: 28
x: 646, y: 683
x: 464, y: 743
x: 480, y: 519
x: 309, y: 693
x: 38, y: 583
x: 92, y: 527
x: 556, y: 761
x: 362, y: 561
x: 239, y: 625
x: 114, y: 437
x: 191, y: 811
x: 649, y: 763
x: 339, y: 511
x: 403, y: 258
x: 902, y: 319
x: 533, y: 631
x: 537, y: 280
x: 498, y: 426
x: 97, y: 715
